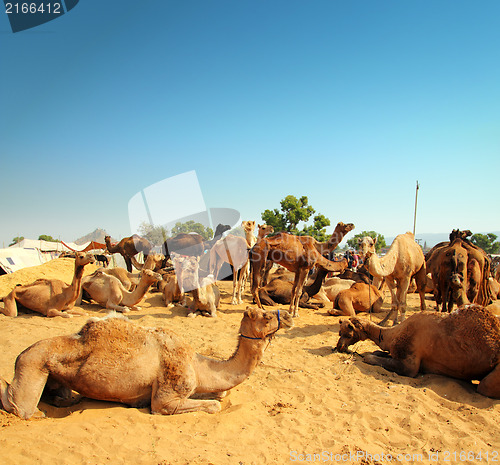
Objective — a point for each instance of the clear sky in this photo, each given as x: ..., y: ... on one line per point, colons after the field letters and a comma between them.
x: 348, y: 102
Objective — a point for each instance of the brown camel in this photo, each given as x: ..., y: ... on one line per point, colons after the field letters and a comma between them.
x: 494, y: 288
x: 483, y: 296
x: 154, y: 262
x: 109, y: 292
x: 448, y: 267
x: 464, y: 344
x: 360, y: 297
x: 169, y: 287
x: 403, y: 261
x: 50, y: 297
x: 116, y: 360
x: 128, y: 247
x: 234, y: 250
x: 298, y: 254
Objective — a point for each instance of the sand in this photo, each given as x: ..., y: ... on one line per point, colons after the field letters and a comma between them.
x: 302, y: 404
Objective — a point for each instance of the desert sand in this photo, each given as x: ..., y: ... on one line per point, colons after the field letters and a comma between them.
x: 302, y: 404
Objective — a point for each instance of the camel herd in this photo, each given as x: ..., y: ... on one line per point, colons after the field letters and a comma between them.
x: 151, y: 366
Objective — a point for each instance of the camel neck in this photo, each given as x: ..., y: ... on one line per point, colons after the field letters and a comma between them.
x: 134, y: 297
x: 77, y: 280
x: 378, y: 334
x: 215, y: 375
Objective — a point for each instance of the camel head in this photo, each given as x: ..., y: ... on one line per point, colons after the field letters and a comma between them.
x: 366, y: 246
x: 264, y: 230
x: 248, y: 226
x: 151, y: 276
x: 350, y: 332
x: 343, y: 228
x: 259, y: 324
x: 82, y: 259
x: 221, y: 229
x: 154, y: 261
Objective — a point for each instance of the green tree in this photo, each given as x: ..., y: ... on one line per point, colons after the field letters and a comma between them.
x: 354, y: 241
x: 16, y: 240
x: 486, y: 242
x: 157, y: 235
x: 45, y: 237
x: 293, y: 211
x: 191, y: 226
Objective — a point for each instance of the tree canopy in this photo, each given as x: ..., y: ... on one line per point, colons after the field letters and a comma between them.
x: 46, y: 237
x: 157, y: 235
x: 354, y: 241
x: 16, y: 240
x: 486, y: 242
x: 294, y: 211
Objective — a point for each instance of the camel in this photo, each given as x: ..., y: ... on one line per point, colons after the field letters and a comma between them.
x: 360, y: 297
x: 109, y: 292
x: 494, y: 288
x: 50, y: 297
x: 171, y: 292
x: 483, y: 296
x: 234, y: 250
x: 154, y: 262
x: 464, y: 344
x: 298, y: 254
x: 102, y: 260
x: 192, y: 244
x: 116, y: 360
x: 206, y: 295
x: 448, y: 267
x: 128, y: 280
x: 403, y: 261
x: 128, y: 247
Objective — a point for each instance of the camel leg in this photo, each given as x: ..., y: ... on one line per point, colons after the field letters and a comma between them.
x: 421, y: 281
x: 175, y: 406
x: 344, y: 308
x: 490, y: 385
x: 394, y: 309
x: 298, y: 285
x: 264, y: 297
x: 257, y: 264
x: 52, y: 312
x: 234, y: 301
x: 407, y: 367
x: 128, y: 263
x: 10, y: 305
x: 21, y: 397
x: 401, y: 292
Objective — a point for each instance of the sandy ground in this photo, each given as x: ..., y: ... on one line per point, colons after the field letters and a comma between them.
x: 301, y: 400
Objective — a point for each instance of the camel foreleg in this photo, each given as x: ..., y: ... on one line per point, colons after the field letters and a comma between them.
x: 407, y: 367
x: 490, y: 384
x: 10, y: 305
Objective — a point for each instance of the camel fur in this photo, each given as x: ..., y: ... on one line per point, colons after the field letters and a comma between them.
x: 116, y: 360
x: 128, y: 280
x: 50, y: 297
x: 403, y: 261
x: 464, y: 344
x: 109, y: 292
x: 360, y: 297
x: 298, y: 254
x: 128, y: 247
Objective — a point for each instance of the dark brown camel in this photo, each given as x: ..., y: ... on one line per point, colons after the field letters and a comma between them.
x: 298, y: 254
x: 464, y: 344
x: 129, y: 247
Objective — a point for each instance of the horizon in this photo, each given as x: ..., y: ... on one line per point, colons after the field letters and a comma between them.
x: 349, y: 104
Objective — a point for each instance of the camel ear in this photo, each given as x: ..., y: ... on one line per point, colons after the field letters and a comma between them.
x: 252, y: 313
x: 356, y: 323
x: 375, y: 239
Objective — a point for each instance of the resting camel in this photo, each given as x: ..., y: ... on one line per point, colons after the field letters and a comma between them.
x: 494, y: 288
x: 234, y: 250
x: 297, y: 254
x: 129, y: 280
x: 106, y: 359
x: 50, y: 297
x: 464, y: 344
x: 154, y: 262
x: 206, y: 295
x: 109, y: 292
x: 360, y: 297
x: 169, y: 287
x: 403, y: 261
x: 128, y: 247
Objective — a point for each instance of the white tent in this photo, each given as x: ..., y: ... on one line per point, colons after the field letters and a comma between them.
x: 15, y: 258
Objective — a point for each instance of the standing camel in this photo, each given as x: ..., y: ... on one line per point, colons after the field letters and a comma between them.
x: 298, y: 254
x: 403, y: 261
x: 128, y: 247
x: 50, y: 297
x: 234, y: 250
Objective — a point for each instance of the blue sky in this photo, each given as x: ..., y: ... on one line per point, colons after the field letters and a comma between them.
x: 346, y: 102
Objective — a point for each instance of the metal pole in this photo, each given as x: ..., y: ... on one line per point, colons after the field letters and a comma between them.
x: 415, y: 214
